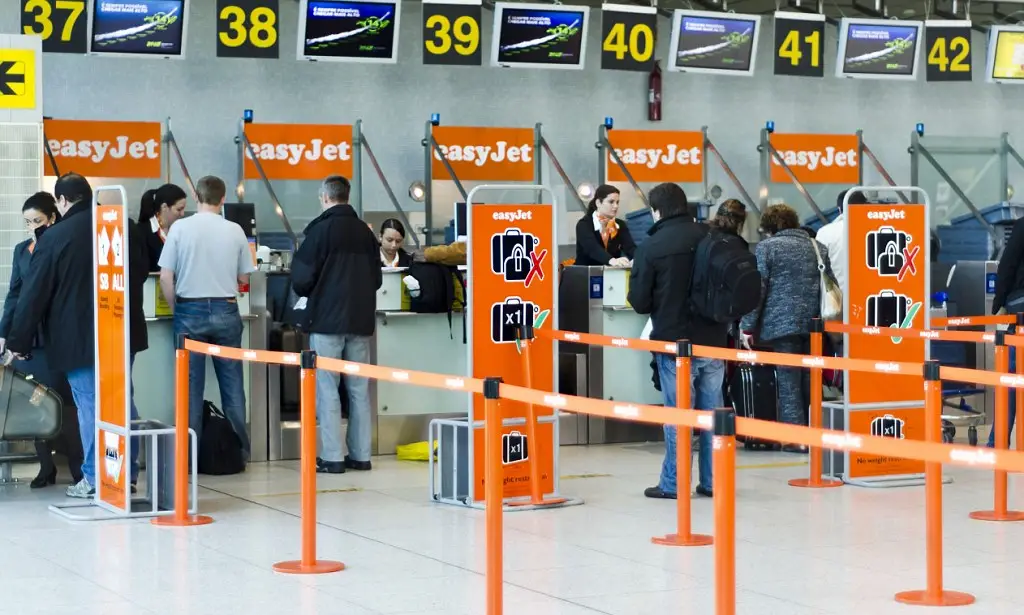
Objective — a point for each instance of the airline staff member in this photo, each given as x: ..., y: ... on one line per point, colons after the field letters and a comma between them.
x: 392, y: 236
x: 601, y: 238
x: 158, y: 210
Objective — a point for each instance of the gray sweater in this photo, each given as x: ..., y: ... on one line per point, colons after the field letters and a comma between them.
x: 791, y: 296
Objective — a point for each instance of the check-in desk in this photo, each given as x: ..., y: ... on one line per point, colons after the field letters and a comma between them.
x: 153, y: 374
x: 418, y: 342
x: 594, y: 300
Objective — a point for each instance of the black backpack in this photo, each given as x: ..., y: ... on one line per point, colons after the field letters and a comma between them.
x: 220, y: 449
x: 437, y: 290
x: 725, y: 284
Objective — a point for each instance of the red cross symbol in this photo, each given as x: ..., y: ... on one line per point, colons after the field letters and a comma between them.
x: 909, y: 254
x: 535, y: 270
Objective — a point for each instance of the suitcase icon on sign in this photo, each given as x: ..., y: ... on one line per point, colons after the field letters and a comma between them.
x: 887, y: 426
x: 885, y: 250
x: 514, y: 448
x: 508, y: 316
x: 886, y: 309
x: 504, y: 252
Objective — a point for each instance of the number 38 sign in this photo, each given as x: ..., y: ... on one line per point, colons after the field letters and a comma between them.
x: 247, y: 29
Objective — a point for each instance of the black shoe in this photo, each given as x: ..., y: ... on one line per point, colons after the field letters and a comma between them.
x: 708, y: 493
x: 352, y: 464
x: 798, y: 449
x: 44, y: 479
x: 330, y: 467
x: 658, y: 494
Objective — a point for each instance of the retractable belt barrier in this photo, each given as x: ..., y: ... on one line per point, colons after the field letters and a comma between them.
x: 723, y: 422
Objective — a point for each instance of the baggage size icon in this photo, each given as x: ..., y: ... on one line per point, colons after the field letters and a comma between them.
x: 514, y: 448
x: 888, y: 309
x: 887, y: 426
x: 515, y: 256
x: 508, y: 316
x: 889, y: 252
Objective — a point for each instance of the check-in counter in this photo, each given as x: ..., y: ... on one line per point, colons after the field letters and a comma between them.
x: 595, y: 300
x: 153, y: 375
x: 419, y: 342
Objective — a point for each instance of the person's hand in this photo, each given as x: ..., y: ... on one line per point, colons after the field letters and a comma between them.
x: 1001, y: 312
x: 619, y: 262
x: 746, y: 339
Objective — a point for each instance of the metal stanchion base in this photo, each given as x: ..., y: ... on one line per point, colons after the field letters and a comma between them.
x: 922, y: 597
x: 320, y: 566
x: 188, y: 521
x: 992, y: 515
x: 821, y: 483
x: 675, y: 540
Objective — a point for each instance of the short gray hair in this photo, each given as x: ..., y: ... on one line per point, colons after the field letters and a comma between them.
x: 336, y: 189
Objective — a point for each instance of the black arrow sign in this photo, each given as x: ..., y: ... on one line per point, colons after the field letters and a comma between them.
x: 7, y: 78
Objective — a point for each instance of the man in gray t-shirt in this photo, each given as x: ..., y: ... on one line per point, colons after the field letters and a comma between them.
x: 203, y: 261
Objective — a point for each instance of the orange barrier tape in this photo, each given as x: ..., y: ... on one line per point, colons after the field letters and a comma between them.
x: 967, y: 456
x: 242, y: 354
x: 942, y: 336
x: 605, y: 340
x: 974, y: 321
x: 402, y: 376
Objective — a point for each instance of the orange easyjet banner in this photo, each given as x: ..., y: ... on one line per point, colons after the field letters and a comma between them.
x: 104, y: 149
x: 816, y: 159
x: 299, y: 151
x: 484, y: 154
x: 656, y: 156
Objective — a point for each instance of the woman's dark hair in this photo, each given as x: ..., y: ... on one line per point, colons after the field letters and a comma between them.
x: 168, y: 195
x: 730, y: 216
x: 779, y: 218
x: 394, y: 224
x: 44, y: 203
x: 602, y: 193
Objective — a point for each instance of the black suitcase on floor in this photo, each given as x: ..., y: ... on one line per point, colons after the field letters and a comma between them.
x: 755, y: 394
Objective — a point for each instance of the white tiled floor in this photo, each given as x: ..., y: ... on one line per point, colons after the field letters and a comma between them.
x: 799, y: 552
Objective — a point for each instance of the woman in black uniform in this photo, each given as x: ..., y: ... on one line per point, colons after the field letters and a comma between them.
x: 392, y: 236
x: 601, y: 238
x: 40, y: 212
x: 159, y: 209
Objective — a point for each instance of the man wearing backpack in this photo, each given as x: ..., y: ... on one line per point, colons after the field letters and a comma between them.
x: 660, y: 285
x: 337, y: 268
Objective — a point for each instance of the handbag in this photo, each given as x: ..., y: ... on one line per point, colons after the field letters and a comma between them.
x: 831, y: 294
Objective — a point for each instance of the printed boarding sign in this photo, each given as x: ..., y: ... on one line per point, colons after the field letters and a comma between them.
x: 104, y: 149
x: 655, y: 156
x: 110, y: 251
x: 299, y: 151
x: 484, y: 154
x: 816, y: 159
x: 513, y: 276
x: 887, y: 255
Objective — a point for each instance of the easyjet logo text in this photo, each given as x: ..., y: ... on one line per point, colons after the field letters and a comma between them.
x: 480, y: 155
x: 812, y: 160
x: 652, y: 158
x: 97, y: 151
x: 297, y: 153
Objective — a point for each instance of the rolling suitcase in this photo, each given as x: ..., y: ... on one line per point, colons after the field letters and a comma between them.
x: 28, y: 409
x: 755, y: 394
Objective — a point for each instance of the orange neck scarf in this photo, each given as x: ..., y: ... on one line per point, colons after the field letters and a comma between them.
x: 609, y: 229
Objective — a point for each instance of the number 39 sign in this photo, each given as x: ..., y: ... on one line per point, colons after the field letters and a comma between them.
x: 247, y: 29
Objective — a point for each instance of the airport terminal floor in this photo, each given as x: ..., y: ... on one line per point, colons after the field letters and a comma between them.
x: 799, y: 551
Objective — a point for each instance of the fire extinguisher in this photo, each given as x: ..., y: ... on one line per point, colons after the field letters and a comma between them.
x: 654, y: 93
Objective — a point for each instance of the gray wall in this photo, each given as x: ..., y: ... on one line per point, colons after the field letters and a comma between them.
x: 206, y: 95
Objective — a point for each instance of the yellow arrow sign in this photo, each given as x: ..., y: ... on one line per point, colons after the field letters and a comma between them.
x: 17, y: 79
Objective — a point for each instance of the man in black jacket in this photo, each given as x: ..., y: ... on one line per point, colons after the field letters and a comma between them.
x: 337, y: 269
x: 659, y: 285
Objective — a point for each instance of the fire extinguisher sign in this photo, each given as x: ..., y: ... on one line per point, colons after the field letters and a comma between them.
x: 627, y: 37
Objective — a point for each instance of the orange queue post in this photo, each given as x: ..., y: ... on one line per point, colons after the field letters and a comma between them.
x: 684, y: 536
x: 724, y: 462
x: 999, y: 510
x: 1017, y: 341
x: 933, y: 594
x: 494, y: 478
x: 815, y: 480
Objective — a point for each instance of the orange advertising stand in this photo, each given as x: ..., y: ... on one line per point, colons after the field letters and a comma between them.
x: 115, y: 434
x: 887, y: 264
x: 512, y: 259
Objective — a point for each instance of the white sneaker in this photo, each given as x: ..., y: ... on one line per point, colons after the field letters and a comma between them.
x: 82, y: 490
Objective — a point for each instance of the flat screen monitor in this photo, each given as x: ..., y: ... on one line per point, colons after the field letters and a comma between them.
x: 878, y: 49
x: 539, y: 35
x: 461, y: 232
x: 337, y: 31
x: 153, y: 28
x: 1005, y: 54
x: 721, y: 43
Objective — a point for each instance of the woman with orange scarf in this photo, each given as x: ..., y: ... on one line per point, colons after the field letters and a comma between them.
x: 601, y: 238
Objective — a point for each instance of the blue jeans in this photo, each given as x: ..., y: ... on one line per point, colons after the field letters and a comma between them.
x: 83, y: 389
x: 353, y: 348
x: 1011, y: 405
x: 214, y: 321
x: 706, y: 377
